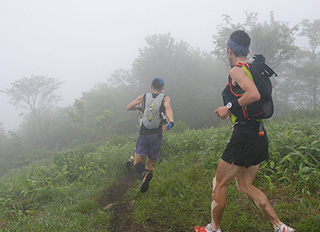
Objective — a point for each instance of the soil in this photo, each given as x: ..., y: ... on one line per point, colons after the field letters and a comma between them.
x: 121, y: 208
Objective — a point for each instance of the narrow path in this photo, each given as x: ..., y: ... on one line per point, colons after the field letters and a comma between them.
x: 122, y: 218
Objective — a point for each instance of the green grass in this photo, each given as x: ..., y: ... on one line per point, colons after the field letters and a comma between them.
x: 179, y: 194
x: 64, y: 193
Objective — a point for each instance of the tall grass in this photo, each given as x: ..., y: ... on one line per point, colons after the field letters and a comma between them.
x: 63, y: 194
x: 180, y: 192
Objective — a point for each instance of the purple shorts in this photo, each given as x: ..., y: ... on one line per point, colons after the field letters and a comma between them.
x: 149, y: 145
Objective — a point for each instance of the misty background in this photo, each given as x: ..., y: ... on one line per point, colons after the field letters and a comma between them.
x: 83, y: 42
x: 69, y: 68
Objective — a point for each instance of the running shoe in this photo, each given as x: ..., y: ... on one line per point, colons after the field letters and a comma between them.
x: 145, y: 182
x: 285, y: 228
x: 205, y: 229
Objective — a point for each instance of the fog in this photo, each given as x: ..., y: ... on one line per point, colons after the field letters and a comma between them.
x: 82, y: 42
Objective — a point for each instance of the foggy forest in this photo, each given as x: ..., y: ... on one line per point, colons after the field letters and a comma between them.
x: 194, y: 81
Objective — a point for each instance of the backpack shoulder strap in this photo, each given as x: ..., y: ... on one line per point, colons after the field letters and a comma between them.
x: 143, y: 103
x: 246, y: 67
x: 161, y: 96
x: 242, y: 64
x: 162, y: 109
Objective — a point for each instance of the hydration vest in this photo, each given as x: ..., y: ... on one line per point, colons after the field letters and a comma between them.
x: 151, y: 110
x: 260, y: 73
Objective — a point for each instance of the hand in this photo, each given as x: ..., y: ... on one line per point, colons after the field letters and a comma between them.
x: 223, y: 112
x: 168, y: 126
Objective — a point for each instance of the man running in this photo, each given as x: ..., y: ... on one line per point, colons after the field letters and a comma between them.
x: 155, y: 106
x: 246, y: 149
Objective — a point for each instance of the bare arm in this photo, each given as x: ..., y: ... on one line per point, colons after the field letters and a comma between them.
x: 169, y: 112
x: 239, y: 76
x: 167, y: 106
x: 134, y: 104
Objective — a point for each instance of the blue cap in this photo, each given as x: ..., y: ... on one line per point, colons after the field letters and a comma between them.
x: 161, y: 81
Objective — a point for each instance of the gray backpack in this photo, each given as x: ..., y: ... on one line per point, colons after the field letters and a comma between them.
x: 151, y: 117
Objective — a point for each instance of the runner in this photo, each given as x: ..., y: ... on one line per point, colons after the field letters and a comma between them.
x: 247, y: 147
x: 154, y: 106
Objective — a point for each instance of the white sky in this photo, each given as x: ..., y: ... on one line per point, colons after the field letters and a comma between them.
x: 82, y: 42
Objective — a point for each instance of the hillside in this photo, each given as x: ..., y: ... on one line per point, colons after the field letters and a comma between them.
x: 90, y: 189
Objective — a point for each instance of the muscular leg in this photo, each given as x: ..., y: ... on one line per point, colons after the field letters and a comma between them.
x: 244, y: 183
x: 149, y: 164
x: 138, y: 158
x: 138, y: 161
x: 225, y: 174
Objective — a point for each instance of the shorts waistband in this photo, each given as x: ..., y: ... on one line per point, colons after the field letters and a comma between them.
x: 248, y: 122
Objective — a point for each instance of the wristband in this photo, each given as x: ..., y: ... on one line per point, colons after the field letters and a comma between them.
x: 170, y: 125
x: 235, y: 106
x: 236, y: 109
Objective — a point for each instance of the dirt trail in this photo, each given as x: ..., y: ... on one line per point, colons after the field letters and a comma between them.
x: 121, y: 208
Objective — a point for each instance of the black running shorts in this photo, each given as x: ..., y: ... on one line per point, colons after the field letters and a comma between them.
x: 246, y: 148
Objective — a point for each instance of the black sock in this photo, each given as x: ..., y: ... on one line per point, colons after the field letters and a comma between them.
x: 139, y: 168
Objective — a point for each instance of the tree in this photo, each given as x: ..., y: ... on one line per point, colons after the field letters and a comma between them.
x: 193, y: 78
x: 300, y: 80
x: 101, y: 112
x: 120, y: 78
x: 36, y: 95
x: 60, y: 130
x: 307, y: 68
x: 2, y: 135
x: 159, y: 58
x: 273, y: 39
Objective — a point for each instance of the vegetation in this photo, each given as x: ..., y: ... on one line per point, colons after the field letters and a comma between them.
x: 63, y: 193
x: 194, y: 81
x: 61, y: 162
x: 181, y: 188
x: 36, y: 95
x: 274, y: 39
